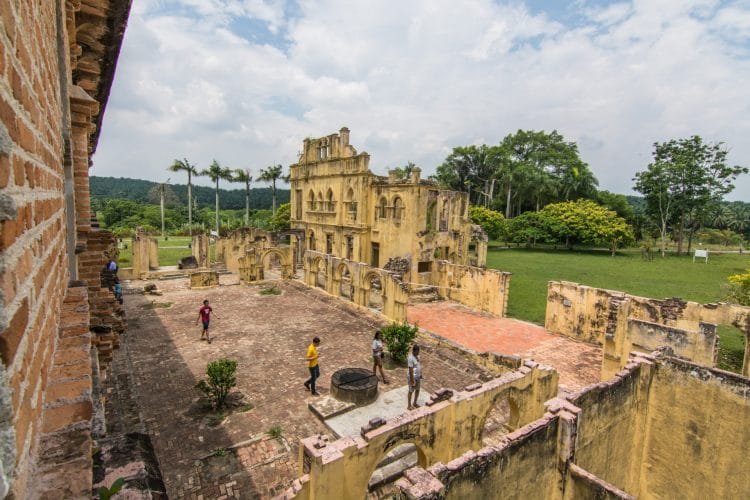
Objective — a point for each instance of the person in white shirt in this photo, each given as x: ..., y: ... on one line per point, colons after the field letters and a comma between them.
x: 377, y: 356
x: 414, y: 377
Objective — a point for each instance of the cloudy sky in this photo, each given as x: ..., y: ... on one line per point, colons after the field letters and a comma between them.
x: 245, y: 81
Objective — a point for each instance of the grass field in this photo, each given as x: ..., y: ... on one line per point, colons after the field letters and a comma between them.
x: 170, y: 251
x: 670, y: 276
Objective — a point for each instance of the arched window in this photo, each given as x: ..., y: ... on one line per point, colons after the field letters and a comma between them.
x: 382, y: 206
x: 311, y: 243
x: 311, y: 200
x: 444, y: 216
x: 351, y: 205
x: 330, y: 204
x: 398, y: 207
x: 320, y: 205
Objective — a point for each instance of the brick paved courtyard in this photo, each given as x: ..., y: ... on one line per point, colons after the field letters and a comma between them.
x: 578, y: 363
x: 204, y: 455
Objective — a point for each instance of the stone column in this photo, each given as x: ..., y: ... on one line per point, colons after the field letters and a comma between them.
x: 82, y: 108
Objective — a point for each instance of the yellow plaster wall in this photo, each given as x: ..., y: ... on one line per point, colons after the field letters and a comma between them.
x: 339, y: 177
x: 440, y: 432
x: 393, y: 293
x: 611, y: 426
x: 522, y: 468
x: 204, y: 279
x: 698, y: 438
x: 483, y: 289
x: 604, y: 317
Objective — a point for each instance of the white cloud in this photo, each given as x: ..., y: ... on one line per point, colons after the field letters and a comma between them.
x: 414, y: 79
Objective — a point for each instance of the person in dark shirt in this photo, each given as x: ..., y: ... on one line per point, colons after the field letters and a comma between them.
x: 204, y: 314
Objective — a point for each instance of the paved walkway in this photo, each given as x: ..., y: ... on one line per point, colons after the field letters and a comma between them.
x: 578, y: 363
x: 204, y: 454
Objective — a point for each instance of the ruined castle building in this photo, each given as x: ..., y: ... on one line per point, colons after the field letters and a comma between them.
x: 57, y: 63
x: 347, y: 211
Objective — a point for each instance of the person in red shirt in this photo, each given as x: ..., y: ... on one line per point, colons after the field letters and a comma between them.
x: 204, y: 314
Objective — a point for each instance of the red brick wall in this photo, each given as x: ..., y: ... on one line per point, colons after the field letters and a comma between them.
x: 33, y: 262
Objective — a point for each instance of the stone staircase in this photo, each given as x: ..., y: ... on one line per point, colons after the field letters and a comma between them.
x: 419, y: 294
x: 390, y: 469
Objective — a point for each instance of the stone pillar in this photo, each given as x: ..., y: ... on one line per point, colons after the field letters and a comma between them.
x: 153, y: 254
x: 481, y: 253
x: 82, y: 108
x: 201, y: 249
x: 140, y: 254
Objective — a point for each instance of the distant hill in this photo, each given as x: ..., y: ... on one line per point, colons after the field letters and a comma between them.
x: 138, y: 190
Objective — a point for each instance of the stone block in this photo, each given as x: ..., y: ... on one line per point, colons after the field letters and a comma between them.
x: 204, y: 279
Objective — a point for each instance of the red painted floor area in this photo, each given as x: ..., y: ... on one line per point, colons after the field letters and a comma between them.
x: 577, y: 363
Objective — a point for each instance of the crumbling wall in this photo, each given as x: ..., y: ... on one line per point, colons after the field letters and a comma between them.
x: 445, y: 429
x: 483, y: 289
x: 394, y: 294
x: 145, y: 254
x: 621, y: 322
x: 697, y: 438
x: 611, y: 426
x: 201, y: 249
x: 204, y: 279
x: 518, y: 468
x: 665, y: 428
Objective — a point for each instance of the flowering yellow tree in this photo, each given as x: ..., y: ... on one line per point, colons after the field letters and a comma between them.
x: 739, y: 288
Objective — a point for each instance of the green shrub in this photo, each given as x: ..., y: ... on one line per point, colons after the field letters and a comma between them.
x: 275, y: 432
x: 107, y: 493
x: 398, y: 338
x: 221, y: 379
x: 739, y: 289
x: 491, y: 221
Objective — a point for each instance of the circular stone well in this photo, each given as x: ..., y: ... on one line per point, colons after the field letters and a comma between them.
x: 355, y: 385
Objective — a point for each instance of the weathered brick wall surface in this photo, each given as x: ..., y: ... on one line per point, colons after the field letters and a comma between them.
x: 107, y: 315
x: 64, y: 467
x: 33, y: 272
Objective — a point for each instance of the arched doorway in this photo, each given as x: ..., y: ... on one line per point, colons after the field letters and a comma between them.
x: 374, y: 290
x: 501, y: 419
x: 345, y: 282
x: 272, y: 265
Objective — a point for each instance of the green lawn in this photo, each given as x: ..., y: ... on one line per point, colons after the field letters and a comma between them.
x: 671, y: 276
x: 170, y: 250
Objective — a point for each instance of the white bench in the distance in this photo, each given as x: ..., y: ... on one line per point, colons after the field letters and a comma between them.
x: 701, y: 254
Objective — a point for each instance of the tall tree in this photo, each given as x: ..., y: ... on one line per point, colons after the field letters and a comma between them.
x: 216, y: 172
x: 271, y: 174
x: 241, y: 175
x: 469, y: 169
x: 185, y: 166
x: 686, y: 177
x: 544, y: 167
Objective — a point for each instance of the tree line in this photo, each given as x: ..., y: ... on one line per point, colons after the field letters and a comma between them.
x: 683, y: 189
x: 142, y: 191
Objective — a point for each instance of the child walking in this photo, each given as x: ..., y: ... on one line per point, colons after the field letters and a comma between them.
x: 204, y: 314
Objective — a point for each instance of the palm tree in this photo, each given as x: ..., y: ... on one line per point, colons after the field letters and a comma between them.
x: 271, y: 174
x: 244, y: 176
x: 216, y: 172
x: 185, y: 166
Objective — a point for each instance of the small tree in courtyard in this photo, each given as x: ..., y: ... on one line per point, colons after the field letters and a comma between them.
x: 221, y: 379
x: 398, y: 338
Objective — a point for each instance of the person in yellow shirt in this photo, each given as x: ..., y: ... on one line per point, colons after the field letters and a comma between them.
x: 312, y: 365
